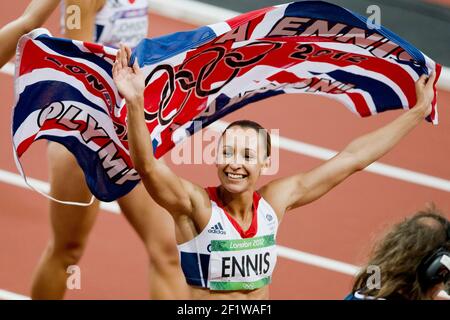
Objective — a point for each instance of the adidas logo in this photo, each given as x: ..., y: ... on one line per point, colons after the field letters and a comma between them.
x: 217, y: 228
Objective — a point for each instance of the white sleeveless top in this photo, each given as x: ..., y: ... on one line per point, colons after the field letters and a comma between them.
x: 224, y: 257
x: 119, y: 21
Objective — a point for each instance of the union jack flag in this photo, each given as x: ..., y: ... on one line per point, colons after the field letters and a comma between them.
x: 65, y: 91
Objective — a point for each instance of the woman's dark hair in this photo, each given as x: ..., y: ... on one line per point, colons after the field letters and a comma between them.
x: 400, y: 253
x: 255, y: 126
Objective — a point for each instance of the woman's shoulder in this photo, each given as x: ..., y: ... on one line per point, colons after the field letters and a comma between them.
x: 274, y: 199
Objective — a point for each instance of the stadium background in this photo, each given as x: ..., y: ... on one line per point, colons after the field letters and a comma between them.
x: 321, y: 244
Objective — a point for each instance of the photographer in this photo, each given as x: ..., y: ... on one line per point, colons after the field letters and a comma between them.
x: 414, y: 259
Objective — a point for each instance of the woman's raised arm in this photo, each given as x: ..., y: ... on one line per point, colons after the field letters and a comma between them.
x: 295, y: 191
x: 175, y: 194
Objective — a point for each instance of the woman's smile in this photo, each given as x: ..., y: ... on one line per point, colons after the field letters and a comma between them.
x: 235, y: 176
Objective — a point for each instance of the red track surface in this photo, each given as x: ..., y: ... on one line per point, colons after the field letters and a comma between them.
x: 340, y: 226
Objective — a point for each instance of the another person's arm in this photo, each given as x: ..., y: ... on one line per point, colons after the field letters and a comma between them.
x: 295, y: 191
x: 33, y: 17
x: 176, y: 195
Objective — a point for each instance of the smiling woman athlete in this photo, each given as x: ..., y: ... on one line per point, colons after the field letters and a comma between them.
x: 219, y: 258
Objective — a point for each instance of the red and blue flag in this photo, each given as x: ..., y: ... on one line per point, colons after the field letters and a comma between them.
x: 65, y: 91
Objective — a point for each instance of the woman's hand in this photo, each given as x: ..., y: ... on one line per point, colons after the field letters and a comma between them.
x: 129, y: 80
x: 424, y: 94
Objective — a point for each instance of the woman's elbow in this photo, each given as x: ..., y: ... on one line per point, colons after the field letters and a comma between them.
x: 355, y: 161
x: 28, y: 22
x: 359, y: 164
x: 143, y: 168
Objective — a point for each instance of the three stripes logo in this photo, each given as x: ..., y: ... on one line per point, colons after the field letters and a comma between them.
x: 217, y: 228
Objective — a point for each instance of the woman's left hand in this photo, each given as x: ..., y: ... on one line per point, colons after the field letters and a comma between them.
x: 129, y: 80
x: 425, y: 93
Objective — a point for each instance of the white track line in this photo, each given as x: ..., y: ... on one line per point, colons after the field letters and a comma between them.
x: 198, y: 13
x: 16, y: 180
x: 444, y: 79
x: 284, y: 252
x: 8, y: 69
x: 7, y: 295
x: 326, y: 263
x: 317, y: 261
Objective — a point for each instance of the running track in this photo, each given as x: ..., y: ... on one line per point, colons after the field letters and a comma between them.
x: 339, y: 226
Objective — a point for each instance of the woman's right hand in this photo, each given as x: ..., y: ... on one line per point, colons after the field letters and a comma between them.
x: 424, y: 94
x: 129, y: 80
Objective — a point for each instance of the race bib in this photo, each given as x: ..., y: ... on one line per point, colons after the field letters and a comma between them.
x: 243, y: 264
x: 127, y: 27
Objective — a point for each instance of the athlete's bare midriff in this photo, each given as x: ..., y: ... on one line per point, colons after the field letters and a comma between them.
x: 206, y: 294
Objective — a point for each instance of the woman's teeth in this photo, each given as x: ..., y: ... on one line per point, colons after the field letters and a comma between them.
x: 235, y: 176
